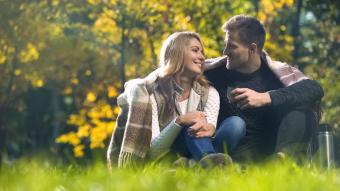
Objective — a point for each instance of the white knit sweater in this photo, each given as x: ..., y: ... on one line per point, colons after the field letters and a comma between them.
x: 161, y: 141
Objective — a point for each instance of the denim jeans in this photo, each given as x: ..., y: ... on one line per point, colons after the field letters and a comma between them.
x: 229, y: 133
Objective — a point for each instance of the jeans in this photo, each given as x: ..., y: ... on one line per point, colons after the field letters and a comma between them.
x: 229, y: 133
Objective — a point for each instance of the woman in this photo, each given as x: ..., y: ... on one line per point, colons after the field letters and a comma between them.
x: 172, y: 109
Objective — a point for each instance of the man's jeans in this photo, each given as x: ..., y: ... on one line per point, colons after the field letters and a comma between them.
x: 291, y: 135
x: 227, y: 137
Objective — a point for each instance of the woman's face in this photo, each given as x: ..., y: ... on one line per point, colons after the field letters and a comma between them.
x: 193, y: 59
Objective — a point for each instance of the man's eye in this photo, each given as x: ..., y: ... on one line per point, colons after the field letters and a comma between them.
x: 232, y: 46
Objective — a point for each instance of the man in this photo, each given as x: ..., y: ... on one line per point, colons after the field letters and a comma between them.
x: 273, y: 98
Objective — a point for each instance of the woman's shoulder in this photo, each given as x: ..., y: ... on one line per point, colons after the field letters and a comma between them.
x: 212, y: 91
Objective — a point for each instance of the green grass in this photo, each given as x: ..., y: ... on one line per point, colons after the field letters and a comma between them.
x: 40, y: 175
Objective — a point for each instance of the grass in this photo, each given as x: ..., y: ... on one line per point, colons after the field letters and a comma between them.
x: 286, y: 175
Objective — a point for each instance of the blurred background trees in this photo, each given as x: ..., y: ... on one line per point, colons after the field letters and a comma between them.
x: 63, y: 63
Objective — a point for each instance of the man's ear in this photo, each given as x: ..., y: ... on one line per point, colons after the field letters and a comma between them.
x: 253, y: 48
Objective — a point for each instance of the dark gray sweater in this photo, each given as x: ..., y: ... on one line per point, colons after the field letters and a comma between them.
x: 303, y: 93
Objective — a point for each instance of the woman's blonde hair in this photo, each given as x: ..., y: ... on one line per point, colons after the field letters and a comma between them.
x: 172, y: 63
x: 172, y: 55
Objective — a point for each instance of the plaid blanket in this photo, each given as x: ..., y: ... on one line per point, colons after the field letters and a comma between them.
x: 287, y: 74
x: 131, y: 139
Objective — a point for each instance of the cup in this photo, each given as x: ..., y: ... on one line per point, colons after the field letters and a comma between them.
x: 229, y: 90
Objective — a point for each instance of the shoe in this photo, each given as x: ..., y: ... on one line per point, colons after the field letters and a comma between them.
x: 280, y: 156
x: 215, y: 160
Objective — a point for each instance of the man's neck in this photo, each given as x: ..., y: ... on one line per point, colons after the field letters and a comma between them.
x: 253, y: 65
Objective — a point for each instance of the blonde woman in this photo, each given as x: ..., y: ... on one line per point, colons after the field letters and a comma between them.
x: 173, y: 109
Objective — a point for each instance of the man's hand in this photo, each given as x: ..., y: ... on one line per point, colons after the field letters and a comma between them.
x: 191, y: 118
x: 201, y: 130
x: 247, y: 98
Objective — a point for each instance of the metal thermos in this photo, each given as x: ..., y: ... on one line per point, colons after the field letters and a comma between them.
x: 326, y: 148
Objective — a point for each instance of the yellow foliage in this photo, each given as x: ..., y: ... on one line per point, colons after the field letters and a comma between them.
x: 269, y: 8
x: 116, y: 110
x: 91, y: 97
x: 84, y: 131
x: 70, y: 138
x: 112, y: 92
x: 2, y: 58
x: 106, y: 24
x: 93, y: 2
x: 67, y: 90
x: 78, y: 151
x: 55, y: 2
x: 98, y: 135
x: 74, y: 81
x: 38, y: 83
x: 95, y: 122
x: 29, y: 54
x: 17, y: 72
x: 183, y: 22
x: 76, y: 120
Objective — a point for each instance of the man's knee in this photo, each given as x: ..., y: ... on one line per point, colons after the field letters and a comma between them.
x: 294, y: 129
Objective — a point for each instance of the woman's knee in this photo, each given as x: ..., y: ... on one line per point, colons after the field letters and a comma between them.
x: 234, y: 125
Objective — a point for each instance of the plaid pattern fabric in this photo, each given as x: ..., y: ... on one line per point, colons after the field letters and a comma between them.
x: 133, y: 128
x: 131, y: 139
x: 287, y: 74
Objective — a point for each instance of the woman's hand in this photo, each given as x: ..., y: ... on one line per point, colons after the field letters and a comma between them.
x: 201, y: 130
x: 191, y: 118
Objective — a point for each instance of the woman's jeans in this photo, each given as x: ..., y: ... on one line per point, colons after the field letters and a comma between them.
x: 228, y: 135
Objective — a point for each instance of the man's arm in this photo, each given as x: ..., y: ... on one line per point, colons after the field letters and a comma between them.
x: 304, y: 92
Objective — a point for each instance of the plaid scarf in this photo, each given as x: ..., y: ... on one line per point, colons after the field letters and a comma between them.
x: 287, y: 74
x: 131, y: 139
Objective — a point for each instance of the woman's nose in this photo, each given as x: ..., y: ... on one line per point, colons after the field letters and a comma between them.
x: 201, y: 56
x: 225, y: 51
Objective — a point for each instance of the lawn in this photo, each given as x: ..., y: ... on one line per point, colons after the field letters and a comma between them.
x: 279, y: 175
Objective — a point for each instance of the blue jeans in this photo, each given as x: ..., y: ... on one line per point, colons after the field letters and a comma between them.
x: 229, y: 133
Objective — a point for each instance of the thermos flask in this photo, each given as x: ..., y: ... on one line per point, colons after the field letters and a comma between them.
x: 326, y: 148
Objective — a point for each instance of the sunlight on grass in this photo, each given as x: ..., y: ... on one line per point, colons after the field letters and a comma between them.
x: 38, y: 175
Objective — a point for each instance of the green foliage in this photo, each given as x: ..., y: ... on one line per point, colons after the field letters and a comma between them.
x: 41, y: 175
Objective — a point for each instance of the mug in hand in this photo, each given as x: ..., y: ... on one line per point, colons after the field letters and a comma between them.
x: 229, y: 90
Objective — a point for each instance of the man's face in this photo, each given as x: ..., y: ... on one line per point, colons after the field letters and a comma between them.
x: 237, y: 52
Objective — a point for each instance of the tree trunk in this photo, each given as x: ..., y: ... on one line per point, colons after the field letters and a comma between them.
x: 256, y: 6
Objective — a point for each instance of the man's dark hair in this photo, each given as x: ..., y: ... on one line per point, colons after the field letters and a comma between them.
x: 249, y: 29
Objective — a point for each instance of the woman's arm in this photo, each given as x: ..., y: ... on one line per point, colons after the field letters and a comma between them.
x: 211, y: 110
x: 161, y: 141
x: 212, y: 107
